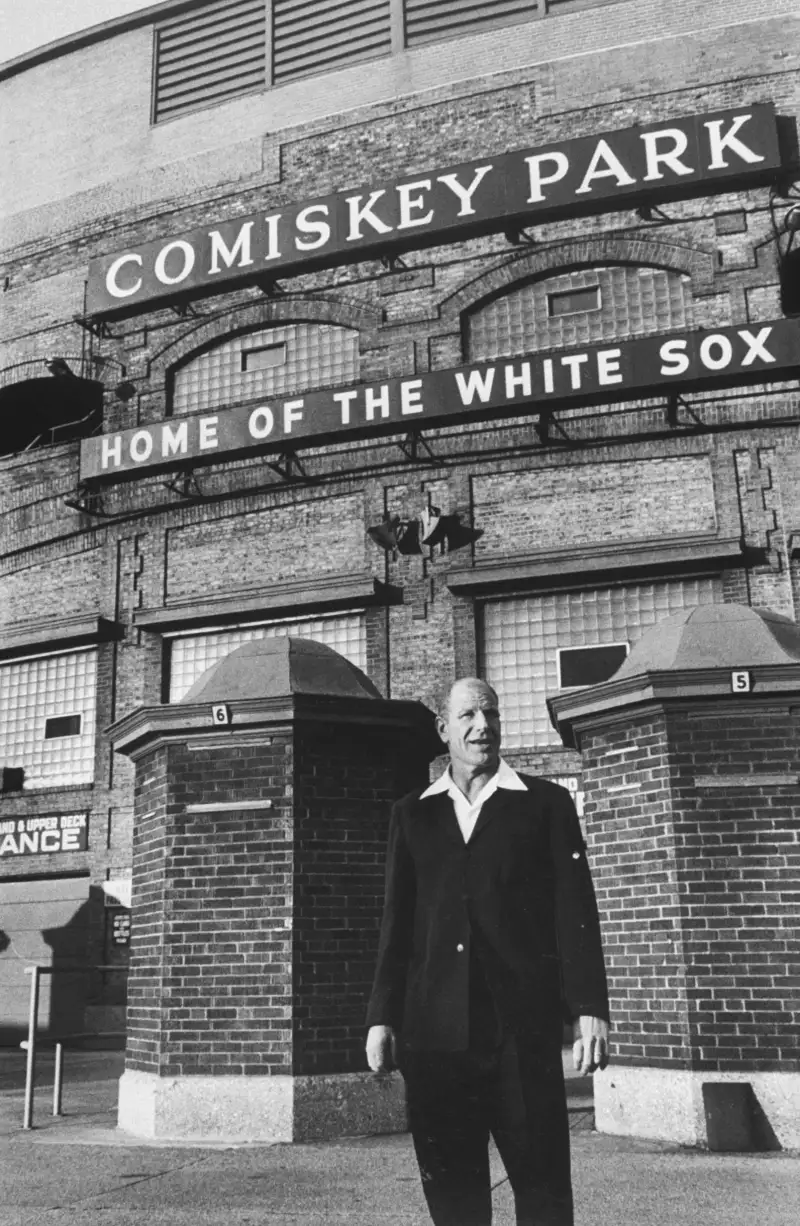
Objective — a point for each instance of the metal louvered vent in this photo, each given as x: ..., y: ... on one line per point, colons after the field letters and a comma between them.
x: 316, y: 36
x: 209, y: 54
x: 429, y: 20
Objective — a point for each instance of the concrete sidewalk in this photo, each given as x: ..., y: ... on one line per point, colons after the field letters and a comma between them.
x: 80, y: 1168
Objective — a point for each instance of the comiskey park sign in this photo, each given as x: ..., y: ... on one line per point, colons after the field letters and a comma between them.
x: 686, y: 156
x: 645, y: 366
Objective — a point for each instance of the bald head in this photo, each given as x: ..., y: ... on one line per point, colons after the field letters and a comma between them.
x: 466, y: 686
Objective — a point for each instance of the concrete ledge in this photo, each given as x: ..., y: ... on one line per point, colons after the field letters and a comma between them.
x: 260, y: 1109
x: 206, y: 1108
x: 667, y: 1105
x: 348, y: 1104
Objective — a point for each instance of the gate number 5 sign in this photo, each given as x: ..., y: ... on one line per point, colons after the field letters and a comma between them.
x: 740, y: 682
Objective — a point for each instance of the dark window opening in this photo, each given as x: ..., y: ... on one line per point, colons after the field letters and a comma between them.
x: 13, y: 779
x: 265, y: 357
x: 56, y: 408
x: 790, y: 282
x: 573, y: 301
x: 580, y: 666
x: 62, y: 725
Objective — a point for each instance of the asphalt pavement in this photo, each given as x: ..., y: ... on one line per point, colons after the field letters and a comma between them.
x: 79, y: 1168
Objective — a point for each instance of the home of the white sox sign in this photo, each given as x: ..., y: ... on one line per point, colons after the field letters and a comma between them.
x: 610, y: 170
x: 645, y: 366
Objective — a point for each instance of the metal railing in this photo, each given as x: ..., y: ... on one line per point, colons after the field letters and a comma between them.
x: 31, y: 1045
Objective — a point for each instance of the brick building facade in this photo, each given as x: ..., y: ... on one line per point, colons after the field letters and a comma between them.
x: 577, y: 531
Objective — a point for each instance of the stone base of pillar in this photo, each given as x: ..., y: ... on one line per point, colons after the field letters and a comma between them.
x: 669, y: 1105
x: 261, y: 1110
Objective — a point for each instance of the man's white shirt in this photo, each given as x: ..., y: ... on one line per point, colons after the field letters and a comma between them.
x: 468, y: 813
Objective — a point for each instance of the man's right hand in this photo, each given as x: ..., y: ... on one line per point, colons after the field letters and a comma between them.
x: 381, y: 1049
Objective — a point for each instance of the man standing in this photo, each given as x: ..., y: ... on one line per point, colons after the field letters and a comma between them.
x: 490, y: 935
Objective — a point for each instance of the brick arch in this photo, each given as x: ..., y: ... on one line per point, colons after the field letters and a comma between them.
x: 337, y: 311
x: 580, y: 253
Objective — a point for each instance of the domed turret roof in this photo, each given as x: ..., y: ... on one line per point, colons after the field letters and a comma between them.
x: 714, y: 636
x: 279, y: 667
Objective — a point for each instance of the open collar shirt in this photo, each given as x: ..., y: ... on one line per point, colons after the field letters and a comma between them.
x: 468, y: 812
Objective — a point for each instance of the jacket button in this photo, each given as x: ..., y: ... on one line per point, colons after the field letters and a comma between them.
x: 460, y: 949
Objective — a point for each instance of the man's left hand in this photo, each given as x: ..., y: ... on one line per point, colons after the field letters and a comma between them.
x: 590, y: 1049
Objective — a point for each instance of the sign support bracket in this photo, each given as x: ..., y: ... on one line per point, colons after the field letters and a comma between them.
x: 417, y: 450
x: 290, y: 467
x: 675, y: 403
x: 88, y: 499
x: 544, y: 426
x: 98, y: 328
x: 184, y: 484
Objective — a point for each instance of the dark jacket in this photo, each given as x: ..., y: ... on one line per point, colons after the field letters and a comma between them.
x: 518, y: 896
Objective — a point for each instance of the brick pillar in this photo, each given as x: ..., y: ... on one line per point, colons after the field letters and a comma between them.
x: 693, y: 815
x: 257, y: 893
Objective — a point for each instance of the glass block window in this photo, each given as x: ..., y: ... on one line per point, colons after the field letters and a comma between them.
x: 632, y: 301
x: 192, y: 654
x: 42, y: 703
x: 262, y: 365
x: 522, y: 638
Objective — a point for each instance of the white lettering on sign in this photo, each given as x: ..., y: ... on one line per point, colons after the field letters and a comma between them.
x: 241, y: 248
x: 756, y: 347
x: 604, y: 165
x: 292, y: 412
x: 271, y: 223
x: 634, y: 368
x: 671, y: 158
x: 208, y: 433
x: 160, y: 266
x: 31, y: 836
x: 521, y: 381
x: 175, y: 439
x: 465, y: 194
x: 344, y: 400
x: 720, y: 141
x: 558, y: 179
x: 113, y: 286
x: 141, y: 446
x: 608, y: 370
x: 364, y: 213
x: 537, y: 180
x: 413, y: 203
x: 410, y: 397
x: 674, y: 358
x: 376, y: 400
x: 478, y: 383
x: 306, y: 224
x: 261, y: 423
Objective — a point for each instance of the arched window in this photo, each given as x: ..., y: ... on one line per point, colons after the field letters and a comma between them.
x: 269, y: 363
x: 579, y: 307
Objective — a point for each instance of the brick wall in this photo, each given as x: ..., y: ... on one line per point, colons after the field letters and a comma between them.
x: 697, y: 884
x: 255, y: 929
x: 627, y: 782
x: 738, y: 854
x: 211, y: 964
x: 346, y: 780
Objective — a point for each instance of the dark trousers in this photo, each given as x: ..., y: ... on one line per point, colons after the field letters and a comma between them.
x: 515, y: 1093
